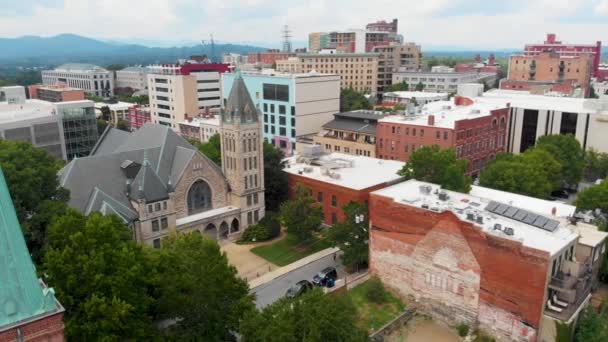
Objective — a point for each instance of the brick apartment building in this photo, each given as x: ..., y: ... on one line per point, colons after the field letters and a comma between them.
x: 474, y: 129
x: 549, y: 71
x: 55, y: 93
x: 336, y: 179
x: 569, y: 50
x: 476, y: 259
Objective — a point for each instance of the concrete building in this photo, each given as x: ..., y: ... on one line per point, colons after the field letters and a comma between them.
x: 351, y: 133
x: 443, y: 79
x: 180, y: 91
x: 488, y: 65
x: 569, y: 50
x: 119, y: 111
x: 415, y: 97
x: 94, y: 80
x: 12, y: 94
x: 533, y: 116
x: 475, y: 129
x: 30, y: 310
x: 138, y: 116
x: 550, y: 72
x: 396, y: 57
x: 64, y: 129
x: 380, y: 33
x: 200, y: 128
x: 510, y: 265
x: 358, y: 71
x: 134, y: 77
x: 336, y: 179
x: 156, y: 181
x: 293, y: 105
x: 55, y: 93
x: 233, y: 59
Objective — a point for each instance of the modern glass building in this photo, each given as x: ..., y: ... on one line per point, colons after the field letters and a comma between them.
x: 79, y: 127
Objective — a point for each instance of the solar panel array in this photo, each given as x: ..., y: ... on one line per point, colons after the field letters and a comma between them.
x: 522, y: 215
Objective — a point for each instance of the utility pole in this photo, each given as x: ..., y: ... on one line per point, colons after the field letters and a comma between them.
x: 286, y: 39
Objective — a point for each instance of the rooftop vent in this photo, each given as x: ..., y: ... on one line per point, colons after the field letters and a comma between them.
x: 509, y: 231
x: 425, y: 189
x: 443, y: 196
x: 475, y: 111
x: 425, y: 206
x: 497, y: 226
x: 479, y: 219
x: 470, y: 216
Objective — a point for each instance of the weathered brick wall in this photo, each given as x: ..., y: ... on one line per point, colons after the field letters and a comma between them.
x: 210, y: 174
x: 47, y: 329
x: 504, y: 325
x: 512, y: 278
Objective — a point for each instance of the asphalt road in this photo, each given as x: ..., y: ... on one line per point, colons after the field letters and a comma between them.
x: 272, y: 291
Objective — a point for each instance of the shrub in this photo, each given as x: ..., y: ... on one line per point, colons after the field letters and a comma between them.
x: 463, y: 330
x: 268, y: 228
x: 376, y: 292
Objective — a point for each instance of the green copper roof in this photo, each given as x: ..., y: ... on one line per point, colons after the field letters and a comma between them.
x: 21, y: 294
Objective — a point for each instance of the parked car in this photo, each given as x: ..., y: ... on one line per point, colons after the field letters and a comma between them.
x: 561, y: 193
x: 298, y: 288
x: 323, y: 277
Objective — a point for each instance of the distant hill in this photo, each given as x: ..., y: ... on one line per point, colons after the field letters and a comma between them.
x: 34, y: 50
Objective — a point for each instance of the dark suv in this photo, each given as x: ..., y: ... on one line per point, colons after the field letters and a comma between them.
x: 298, y: 289
x: 323, y: 277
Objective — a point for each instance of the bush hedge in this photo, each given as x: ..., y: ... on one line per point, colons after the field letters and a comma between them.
x: 268, y: 228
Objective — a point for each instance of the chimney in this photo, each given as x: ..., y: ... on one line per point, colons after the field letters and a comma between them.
x: 431, y: 120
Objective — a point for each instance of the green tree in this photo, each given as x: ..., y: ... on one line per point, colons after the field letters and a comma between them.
x: 534, y: 173
x: 352, y: 100
x: 31, y: 175
x: 596, y: 165
x: 313, y: 316
x: 434, y: 165
x: 592, y: 326
x: 101, y: 125
x: 102, y: 277
x: 123, y: 125
x: 301, y: 215
x: 568, y: 152
x: 275, y: 180
x: 95, y: 98
x: 105, y: 113
x: 212, y: 149
x: 402, y: 86
x: 200, y: 289
x: 115, y: 67
x: 594, y: 197
x: 351, y: 235
x: 419, y: 86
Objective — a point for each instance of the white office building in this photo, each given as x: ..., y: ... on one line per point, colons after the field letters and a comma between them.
x: 442, y: 79
x: 135, y: 77
x: 94, y: 80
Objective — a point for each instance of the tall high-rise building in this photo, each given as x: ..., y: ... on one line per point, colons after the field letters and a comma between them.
x: 30, y: 311
x: 242, y: 151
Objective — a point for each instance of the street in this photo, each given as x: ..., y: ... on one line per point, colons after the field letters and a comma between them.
x: 270, y: 292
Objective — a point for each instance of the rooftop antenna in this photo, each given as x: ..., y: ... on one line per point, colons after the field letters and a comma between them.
x: 286, y: 39
x: 211, y: 43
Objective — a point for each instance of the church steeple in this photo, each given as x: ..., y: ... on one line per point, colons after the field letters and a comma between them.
x: 21, y: 295
x: 239, y: 108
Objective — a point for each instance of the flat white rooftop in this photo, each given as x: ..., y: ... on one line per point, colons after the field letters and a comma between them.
x: 279, y: 74
x: 31, y: 109
x: 353, y: 172
x: 524, y: 99
x: 115, y: 106
x: 416, y: 94
x: 446, y: 113
x: 198, y: 122
x: 468, y: 207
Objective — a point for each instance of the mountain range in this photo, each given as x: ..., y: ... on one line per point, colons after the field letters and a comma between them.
x: 34, y: 50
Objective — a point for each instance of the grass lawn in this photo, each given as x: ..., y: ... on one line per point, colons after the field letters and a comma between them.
x: 288, y: 250
x: 372, y: 316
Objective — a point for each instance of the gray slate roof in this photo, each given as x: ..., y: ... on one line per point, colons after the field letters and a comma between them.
x: 239, y: 106
x: 98, y: 183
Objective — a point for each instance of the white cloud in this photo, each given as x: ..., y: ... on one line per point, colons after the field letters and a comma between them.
x: 463, y: 23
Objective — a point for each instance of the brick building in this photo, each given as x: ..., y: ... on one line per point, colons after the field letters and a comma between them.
x: 527, y: 72
x: 476, y: 259
x: 475, y: 129
x: 138, y: 116
x: 55, y: 93
x: 336, y: 179
x: 268, y: 57
x: 396, y: 57
x: 568, y: 50
x: 30, y: 311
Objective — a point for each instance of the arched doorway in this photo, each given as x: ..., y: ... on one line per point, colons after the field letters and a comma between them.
x: 211, y: 231
x: 199, y: 197
x: 234, y: 227
x: 224, y: 229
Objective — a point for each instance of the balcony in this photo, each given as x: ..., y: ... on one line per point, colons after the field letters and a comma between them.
x: 568, y: 290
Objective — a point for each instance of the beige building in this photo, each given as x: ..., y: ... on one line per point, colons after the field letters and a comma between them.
x: 350, y: 133
x: 290, y: 65
x: 172, y: 98
x: 358, y: 71
x: 393, y: 58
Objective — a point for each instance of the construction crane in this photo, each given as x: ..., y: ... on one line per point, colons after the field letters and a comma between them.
x: 212, y: 46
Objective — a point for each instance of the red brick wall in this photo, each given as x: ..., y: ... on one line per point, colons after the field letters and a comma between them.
x: 47, y: 329
x: 343, y: 195
x: 392, y: 146
x: 512, y: 277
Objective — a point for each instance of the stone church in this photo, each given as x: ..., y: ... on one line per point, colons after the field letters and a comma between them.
x: 156, y: 181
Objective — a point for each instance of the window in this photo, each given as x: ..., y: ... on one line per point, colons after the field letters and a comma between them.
x: 249, y: 199
x: 282, y: 121
x: 282, y: 131
x: 276, y: 92
x: 157, y: 206
x: 156, y: 243
x: 155, y: 226
x: 334, y: 201
x: 256, y: 216
x: 272, y: 108
x: 255, y: 198
x: 320, y: 197
x: 249, y: 218
x: 165, y: 205
x: 293, y: 111
x: 445, y: 135
x: 282, y: 109
x: 334, y: 218
x: 150, y: 208
x: 199, y: 197
x: 164, y: 223
x: 265, y: 107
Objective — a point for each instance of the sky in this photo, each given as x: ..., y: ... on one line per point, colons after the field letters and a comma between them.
x: 471, y: 24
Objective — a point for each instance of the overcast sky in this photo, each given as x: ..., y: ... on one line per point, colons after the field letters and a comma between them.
x: 481, y: 24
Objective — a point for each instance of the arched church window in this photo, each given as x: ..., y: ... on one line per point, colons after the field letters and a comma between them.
x: 199, y: 197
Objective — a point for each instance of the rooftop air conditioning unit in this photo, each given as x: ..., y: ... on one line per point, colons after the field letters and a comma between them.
x: 470, y: 216
x: 443, y: 196
x: 509, y: 231
x: 308, y: 169
x: 479, y: 219
x: 497, y: 226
